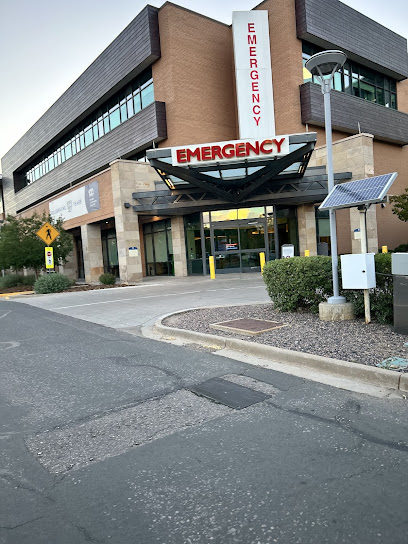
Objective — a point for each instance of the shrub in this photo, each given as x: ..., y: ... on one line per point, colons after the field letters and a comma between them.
x: 11, y: 280
x: 301, y: 283
x: 14, y: 280
x: 52, y: 283
x: 298, y: 282
x: 401, y: 248
x: 27, y: 280
x: 107, y: 279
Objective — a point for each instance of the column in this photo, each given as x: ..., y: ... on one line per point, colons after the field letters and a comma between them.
x: 129, y: 177
x: 70, y: 267
x: 179, y: 246
x: 92, y: 250
x: 307, y: 229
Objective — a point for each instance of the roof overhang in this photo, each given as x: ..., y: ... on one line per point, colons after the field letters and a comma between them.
x: 239, y: 183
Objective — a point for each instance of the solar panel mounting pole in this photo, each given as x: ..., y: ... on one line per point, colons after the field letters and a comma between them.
x: 364, y: 249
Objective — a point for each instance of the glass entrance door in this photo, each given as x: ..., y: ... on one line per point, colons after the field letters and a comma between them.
x: 236, y: 245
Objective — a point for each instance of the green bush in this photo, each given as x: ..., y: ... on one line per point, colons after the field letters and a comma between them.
x: 27, y: 280
x: 11, y: 280
x: 301, y: 283
x: 52, y: 283
x: 107, y: 279
x: 14, y: 280
x: 401, y: 248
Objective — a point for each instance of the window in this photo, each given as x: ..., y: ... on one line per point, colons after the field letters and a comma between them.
x: 147, y: 95
x: 122, y: 106
x: 357, y: 80
x: 88, y: 136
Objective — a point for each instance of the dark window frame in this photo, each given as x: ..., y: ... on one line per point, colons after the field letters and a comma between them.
x: 353, y: 70
x: 98, y: 123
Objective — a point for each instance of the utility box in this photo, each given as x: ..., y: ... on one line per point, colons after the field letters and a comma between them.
x: 399, y: 264
x: 288, y: 250
x: 358, y: 271
x: 399, y: 269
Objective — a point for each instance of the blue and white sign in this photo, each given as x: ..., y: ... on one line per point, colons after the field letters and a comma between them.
x: 76, y: 203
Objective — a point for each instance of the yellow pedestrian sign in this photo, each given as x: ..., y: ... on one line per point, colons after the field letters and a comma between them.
x: 47, y: 233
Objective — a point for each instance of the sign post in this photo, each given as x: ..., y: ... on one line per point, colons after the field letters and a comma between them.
x: 48, y: 234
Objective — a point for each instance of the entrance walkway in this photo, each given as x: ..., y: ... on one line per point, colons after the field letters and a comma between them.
x: 141, y: 305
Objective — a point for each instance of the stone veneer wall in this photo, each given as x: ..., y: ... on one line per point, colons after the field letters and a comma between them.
x: 129, y: 177
x: 92, y: 251
x: 354, y: 154
x: 179, y: 246
x: 307, y: 229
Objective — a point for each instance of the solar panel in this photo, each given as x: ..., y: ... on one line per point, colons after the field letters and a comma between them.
x: 357, y: 193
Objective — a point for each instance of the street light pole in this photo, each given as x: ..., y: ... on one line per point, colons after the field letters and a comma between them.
x: 320, y: 65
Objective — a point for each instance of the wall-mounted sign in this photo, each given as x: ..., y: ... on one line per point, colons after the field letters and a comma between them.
x: 79, y: 202
x: 232, y: 151
x: 253, y: 74
x: 133, y: 252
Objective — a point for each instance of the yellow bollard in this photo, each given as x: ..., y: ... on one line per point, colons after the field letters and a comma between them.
x: 262, y: 260
x: 212, y: 267
x: 307, y: 253
x: 384, y: 249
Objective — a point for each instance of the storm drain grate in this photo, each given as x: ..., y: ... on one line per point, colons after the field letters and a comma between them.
x: 228, y: 393
x: 249, y: 326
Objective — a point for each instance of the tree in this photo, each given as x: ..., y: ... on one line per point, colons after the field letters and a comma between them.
x: 20, y: 246
x: 400, y: 207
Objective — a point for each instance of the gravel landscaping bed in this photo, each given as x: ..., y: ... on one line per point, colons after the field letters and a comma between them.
x: 352, y: 341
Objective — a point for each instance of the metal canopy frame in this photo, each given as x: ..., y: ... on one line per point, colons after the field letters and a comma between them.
x: 270, y: 184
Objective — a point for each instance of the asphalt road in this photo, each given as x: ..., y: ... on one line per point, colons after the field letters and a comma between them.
x: 103, y: 441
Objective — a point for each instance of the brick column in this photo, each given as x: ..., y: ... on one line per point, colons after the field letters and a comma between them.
x: 92, y: 250
x: 129, y: 177
x: 307, y: 229
x: 179, y: 246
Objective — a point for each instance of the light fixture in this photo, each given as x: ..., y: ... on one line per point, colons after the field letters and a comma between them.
x: 326, y: 63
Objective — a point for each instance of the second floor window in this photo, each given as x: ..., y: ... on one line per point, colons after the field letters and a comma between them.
x: 357, y: 80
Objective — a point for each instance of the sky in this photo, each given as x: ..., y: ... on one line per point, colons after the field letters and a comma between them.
x: 45, y: 45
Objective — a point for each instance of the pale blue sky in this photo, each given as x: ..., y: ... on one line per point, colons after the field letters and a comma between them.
x: 45, y: 45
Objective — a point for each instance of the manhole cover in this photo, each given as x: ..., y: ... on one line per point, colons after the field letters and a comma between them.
x: 229, y: 393
x: 248, y: 326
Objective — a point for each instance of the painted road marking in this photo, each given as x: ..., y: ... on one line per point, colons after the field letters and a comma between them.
x: 151, y: 296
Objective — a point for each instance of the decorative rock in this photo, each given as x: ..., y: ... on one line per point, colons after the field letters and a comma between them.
x: 336, y: 312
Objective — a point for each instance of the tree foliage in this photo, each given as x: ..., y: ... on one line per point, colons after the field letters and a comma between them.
x: 20, y: 246
x: 400, y: 205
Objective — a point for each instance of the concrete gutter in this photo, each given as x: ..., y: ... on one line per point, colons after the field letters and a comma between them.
x: 378, y: 377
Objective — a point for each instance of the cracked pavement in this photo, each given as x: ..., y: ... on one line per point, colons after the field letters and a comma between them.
x: 309, y: 464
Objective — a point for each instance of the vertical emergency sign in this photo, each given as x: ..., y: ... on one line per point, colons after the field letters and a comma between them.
x: 253, y: 74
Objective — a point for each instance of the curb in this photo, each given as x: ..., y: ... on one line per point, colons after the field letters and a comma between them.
x: 378, y: 377
x: 17, y: 293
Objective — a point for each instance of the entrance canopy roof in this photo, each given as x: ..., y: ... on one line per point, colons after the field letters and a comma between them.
x: 241, y: 183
